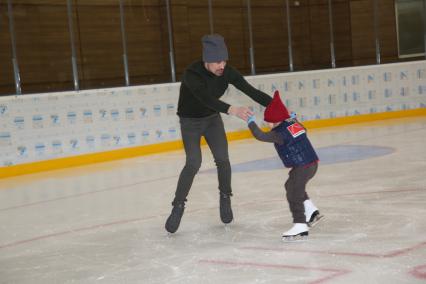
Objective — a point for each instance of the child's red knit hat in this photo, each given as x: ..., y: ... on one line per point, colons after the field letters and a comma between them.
x: 276, y: 110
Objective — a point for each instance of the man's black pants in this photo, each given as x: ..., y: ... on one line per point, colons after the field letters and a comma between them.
x: 192, y: 129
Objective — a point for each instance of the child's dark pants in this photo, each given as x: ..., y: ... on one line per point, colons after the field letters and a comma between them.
x: 295, y: 188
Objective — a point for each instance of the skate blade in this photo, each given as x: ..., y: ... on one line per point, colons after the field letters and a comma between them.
x: 293, y: 239
x: 227, y: 226
x: 303, y: 236
x: 315, y: 220
x: 169, y: 235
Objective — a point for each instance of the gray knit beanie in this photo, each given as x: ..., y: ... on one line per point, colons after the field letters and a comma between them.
x: 214, y: 48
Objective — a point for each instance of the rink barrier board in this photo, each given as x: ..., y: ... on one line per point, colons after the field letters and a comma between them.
x: 87, y: 159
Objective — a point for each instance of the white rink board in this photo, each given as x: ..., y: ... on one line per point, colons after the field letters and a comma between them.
x: 56, y: 125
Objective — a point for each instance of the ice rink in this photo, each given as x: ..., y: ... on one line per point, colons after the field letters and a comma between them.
x: 104, y: 223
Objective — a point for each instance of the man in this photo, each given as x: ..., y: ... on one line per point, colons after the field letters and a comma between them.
x: 199, y: 108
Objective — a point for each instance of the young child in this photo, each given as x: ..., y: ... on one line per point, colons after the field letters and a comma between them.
x: 296, y: 152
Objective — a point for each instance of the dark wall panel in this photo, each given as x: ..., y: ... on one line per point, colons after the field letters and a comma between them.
x: 44, y: 52
x: 270, y: 35
x: 342, y: 33
x: 7, y: 84
x: 300, y: 34
x: 363, y: 35
x: 42, y: 46
x: 320, y: 35
x: 147, y: 42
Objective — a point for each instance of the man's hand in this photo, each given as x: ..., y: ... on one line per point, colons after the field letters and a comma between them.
x: 242, y: 112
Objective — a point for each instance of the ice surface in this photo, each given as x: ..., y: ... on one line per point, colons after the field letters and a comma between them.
x: 105, y: 222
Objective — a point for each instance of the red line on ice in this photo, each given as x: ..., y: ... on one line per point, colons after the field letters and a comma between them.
x: 332, y: 272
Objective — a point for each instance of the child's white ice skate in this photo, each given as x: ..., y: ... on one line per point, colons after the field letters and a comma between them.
x: 312, y: 213
x: 299, y: 232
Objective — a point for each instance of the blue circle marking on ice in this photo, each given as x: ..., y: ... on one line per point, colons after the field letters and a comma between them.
x: 327, y: 155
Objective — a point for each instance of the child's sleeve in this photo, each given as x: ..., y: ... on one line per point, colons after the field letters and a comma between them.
x: 271, y: 136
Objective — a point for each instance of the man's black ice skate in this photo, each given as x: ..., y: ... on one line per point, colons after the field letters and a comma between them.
x: 225, y: 208
x: 172, y: 223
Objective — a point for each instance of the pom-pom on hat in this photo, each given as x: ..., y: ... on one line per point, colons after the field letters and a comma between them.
x: 214, y: 48
x: 276, y: 110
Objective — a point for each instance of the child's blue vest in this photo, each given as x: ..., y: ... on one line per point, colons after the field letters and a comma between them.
x: 297, y: 150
